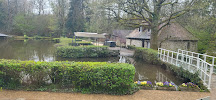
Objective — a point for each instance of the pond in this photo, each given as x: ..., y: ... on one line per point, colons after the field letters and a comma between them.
x: 42, y: 50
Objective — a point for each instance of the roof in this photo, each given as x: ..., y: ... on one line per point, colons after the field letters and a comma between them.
x: 122, y: 33
x: 89, y: 35
x: 175, y: 31
x: 136, y: 34
x: 3, y: 35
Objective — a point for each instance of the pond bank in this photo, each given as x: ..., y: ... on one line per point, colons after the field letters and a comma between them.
x: 123, y: 51
x: 140, y: 95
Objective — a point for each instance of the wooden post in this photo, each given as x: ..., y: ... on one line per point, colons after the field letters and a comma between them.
x: 164, y: 55
x: 213, y: 87
x: 161, y: 54
x: 172, y: 58
x: 198, y: 62
x: 177, y: 58
x: 213, y: 82
x: 168, y: 56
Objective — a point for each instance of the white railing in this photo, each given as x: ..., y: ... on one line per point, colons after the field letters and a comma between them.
x: 191, y: 61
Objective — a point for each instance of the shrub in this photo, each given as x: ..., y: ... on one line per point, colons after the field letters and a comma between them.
x: 148, y: 55
x: 82, y: 51
x: 80, y: 43
x: 130, y: 47
x: 93, y: 77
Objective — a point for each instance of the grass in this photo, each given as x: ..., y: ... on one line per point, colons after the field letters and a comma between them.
x: 66, y: 41
x: 36, y: 37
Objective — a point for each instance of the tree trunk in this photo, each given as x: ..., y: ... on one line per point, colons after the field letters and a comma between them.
x: 154, y: 39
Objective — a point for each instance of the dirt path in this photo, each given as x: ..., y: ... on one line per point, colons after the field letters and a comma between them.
x: 141, y: 95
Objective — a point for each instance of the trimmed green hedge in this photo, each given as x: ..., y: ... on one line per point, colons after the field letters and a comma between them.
x: 82, y: 51
x: 148, y: 55
x: 92, y: 77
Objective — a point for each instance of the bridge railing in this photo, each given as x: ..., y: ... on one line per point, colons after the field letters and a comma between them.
x: 191, y: 61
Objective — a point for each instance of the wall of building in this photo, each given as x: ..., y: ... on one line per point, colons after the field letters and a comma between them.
x: 137, y: 43
x: 175, y: 45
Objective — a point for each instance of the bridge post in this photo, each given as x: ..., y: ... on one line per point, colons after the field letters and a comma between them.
x: 177, y: 58
x: 198, y: 62
x: 172, y: 58
x: 213, y: 87
x: 168, y: 56
x: 164, y: 55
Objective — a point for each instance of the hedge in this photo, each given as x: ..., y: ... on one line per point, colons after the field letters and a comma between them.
x: 148, y: 55
x: 130, y: 47
x: 93, y: 77
x: 83, y: 51
x: 80, y: 43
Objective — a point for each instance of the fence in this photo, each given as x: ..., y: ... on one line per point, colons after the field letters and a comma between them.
x: 191, y: 61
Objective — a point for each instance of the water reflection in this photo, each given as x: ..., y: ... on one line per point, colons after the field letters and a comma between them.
x: 39, y: 50
x: 36, y: 50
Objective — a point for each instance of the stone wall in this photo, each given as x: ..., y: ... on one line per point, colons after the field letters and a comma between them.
x: 175, y: 45
x: 137, y: 43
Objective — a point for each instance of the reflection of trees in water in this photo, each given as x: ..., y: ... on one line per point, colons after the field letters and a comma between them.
x: 30, y: 50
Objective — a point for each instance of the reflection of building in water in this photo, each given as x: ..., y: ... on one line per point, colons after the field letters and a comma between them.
x: 141, y: 77
x: 161, y: 77
x: 125, y: 59
x: 122, y: 59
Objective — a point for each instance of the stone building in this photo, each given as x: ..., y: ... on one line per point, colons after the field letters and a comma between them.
x: 175, y: 36
x: 119, y: 36
x: 172, y: 37
x: 139, y: 38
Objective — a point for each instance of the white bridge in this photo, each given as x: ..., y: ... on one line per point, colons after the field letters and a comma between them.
x: 192, y: 62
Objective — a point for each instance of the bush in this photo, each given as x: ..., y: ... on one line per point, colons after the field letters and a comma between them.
x: 82, y: 51
x: 93, y: 77
x: 148, y: 55
x: 80, y: 43
x: 180, y: 72
x: 130, y: 47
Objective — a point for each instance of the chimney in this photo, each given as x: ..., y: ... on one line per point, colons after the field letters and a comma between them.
x: 141, y: 29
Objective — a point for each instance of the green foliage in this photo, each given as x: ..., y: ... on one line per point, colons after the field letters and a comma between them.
x: 131, y: 47
x: 23, y: 24
x: 2, y: 15
x: 82, y: 51
x: 180, y: 72
x: 78, y: 43
x: 86, y: 77
x: 148, y: 55
x: 75, y: 20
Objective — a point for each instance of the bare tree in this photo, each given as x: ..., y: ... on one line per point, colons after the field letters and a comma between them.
x: 149, y: 14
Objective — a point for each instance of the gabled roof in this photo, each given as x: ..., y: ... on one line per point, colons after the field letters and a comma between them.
x: 136, y: 34
x: 3, y: 35
x: 122, y: 33
x: 175, y: 31
x: 89, y: 35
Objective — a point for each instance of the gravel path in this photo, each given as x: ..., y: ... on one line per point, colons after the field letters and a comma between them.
x: 141, y: 95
